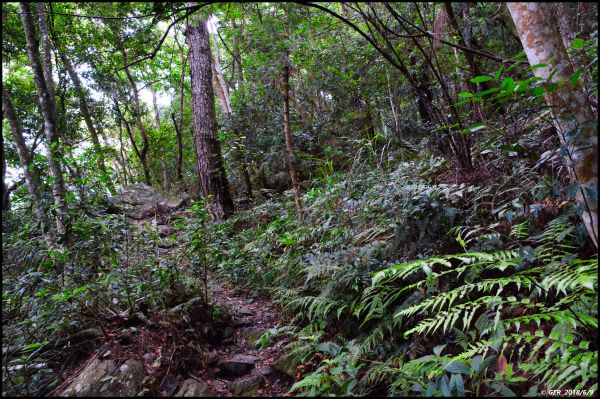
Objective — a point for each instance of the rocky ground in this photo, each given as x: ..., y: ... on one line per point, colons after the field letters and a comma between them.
x: 240, y: 352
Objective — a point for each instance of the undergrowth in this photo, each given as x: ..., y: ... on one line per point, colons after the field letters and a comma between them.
x: 401, y: 285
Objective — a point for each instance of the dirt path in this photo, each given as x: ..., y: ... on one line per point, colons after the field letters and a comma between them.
x: 176, y: 352
x: 251, y: 315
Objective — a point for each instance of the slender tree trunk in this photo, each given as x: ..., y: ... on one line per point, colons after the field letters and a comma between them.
x: 392, y: 105
x: 289, y: 142
x: 572, y: 112
x: 211, y: 170
x: 156, y: 110
x: 237, y: 59
x: 121, y: 159
x: 31, y: 178
x: 225, y: 104
x: 85, y: 111
x: 218, y: 80
x: 165, y: 172
x: 179, y: 129
x: 137, y: 111
x: 179, y: 147
x: 136, y: 149
x: 5, y: 193
x: 45, y: 90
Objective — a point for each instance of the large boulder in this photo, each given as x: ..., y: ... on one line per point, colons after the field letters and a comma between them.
x: 140, y: 201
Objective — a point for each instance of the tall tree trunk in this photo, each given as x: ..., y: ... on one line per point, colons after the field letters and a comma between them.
x: 218, y: 80
x: 223, y: 97
x: 85, y: 111
x: 31, y: 178
x: 143, y: 154
x: 237, y: 59
x: 572, y: 112
x: 45, y: 90
x: 211, y: 170
x: 5, y: 193
x: 289, y: 142
x: 179, y: 129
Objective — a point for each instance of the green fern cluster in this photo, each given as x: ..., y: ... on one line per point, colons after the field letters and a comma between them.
x: 533, y: 305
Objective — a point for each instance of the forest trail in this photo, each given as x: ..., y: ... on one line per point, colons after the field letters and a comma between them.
x: 252, y: 316
x: 224, y: 360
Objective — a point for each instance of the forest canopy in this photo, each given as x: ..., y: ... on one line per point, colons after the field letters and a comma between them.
x: 312, y: 198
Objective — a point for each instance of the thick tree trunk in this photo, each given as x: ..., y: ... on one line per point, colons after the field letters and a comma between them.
x: 572, y: 112
x: 289, y: 142
x: 211, y: 170
x: 45, y: 90
x: 31, y: 179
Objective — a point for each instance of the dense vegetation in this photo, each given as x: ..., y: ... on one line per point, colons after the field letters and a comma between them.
x: 413, y: 184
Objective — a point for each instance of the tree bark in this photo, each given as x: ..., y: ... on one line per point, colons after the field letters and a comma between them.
x: 572, y: 112
x: 211, y: 170
x: 31, y: 178
x: 45, y: 90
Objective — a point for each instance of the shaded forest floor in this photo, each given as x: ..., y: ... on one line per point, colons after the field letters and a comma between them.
x: 235, y: 357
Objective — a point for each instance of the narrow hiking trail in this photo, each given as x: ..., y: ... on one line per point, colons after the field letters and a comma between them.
x: 252, y: 316
x: 191, y: 349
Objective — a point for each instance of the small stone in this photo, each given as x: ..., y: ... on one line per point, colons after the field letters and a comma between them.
x: 193, y: 388
x: 238, y: 364
x: 245, y: 312
x: 287, y: 364
x: 246, y: 387
x: 251, y: 335
x: 84, y: 384
x: 211, y: 358
x: 265, y: 370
